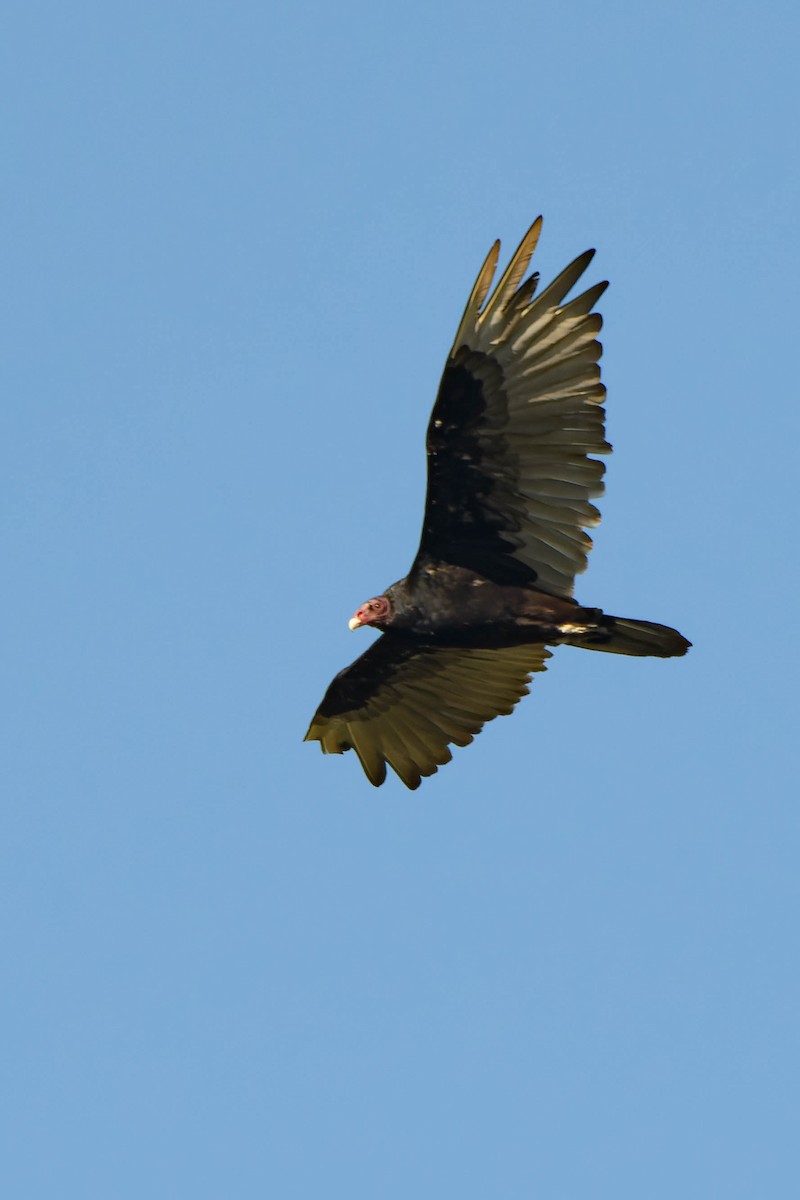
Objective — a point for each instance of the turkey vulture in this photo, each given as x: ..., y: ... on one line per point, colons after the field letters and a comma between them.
x: 510, y: 490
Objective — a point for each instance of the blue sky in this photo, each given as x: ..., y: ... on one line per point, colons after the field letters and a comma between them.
x: 238, y: 239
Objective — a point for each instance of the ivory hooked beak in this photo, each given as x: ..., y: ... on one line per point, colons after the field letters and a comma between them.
x: 353, y: 623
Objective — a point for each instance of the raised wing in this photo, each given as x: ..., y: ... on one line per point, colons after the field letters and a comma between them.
x: 518, y: 414
x: 404, y: 702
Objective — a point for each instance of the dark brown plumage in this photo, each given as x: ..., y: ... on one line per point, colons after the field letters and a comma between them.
x: 510, y: 490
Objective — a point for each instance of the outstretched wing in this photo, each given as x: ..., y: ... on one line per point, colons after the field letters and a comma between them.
x: 403, y: 702
x: 518, y: 414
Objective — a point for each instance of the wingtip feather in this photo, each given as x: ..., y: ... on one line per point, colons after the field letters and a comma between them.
x: 514, y: 272
x: 478, y: 294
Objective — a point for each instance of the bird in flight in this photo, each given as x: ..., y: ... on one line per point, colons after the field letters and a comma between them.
x: 511, y: 480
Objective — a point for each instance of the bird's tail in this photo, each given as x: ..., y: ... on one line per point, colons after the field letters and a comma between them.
x: 620, y: 635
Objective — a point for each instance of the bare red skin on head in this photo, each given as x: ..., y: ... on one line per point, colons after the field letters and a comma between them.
x: 374, y: 612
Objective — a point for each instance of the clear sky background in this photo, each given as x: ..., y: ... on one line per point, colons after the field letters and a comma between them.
x: 237, y: 241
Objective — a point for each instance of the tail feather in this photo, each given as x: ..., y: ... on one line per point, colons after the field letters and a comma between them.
x: 620, y: 635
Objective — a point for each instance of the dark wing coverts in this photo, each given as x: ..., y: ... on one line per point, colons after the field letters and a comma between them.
x: 518, y: 412
x: 404, y: 701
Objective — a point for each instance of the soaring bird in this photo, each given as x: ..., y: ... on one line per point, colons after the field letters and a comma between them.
x: 511, y: 480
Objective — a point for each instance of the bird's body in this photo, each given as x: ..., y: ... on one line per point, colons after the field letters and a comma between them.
x: 461, y: 606
x: 510, y: 485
